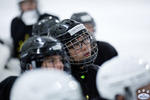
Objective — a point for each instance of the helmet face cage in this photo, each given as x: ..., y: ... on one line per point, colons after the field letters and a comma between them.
x: 87, y: 40
x: 65, y: 61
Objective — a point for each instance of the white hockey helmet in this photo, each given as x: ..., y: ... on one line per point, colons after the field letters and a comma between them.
x: 120, y: 73
x: 46, y: 85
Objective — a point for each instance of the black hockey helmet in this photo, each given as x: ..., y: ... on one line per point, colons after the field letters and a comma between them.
x: 68, y: 31
x: 41, y: 28
x: 36, y: 48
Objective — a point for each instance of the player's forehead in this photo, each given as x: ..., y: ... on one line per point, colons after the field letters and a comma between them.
x: 79, y: 38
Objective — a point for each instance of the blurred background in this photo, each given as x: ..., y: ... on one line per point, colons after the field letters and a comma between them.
x: 123, y: 23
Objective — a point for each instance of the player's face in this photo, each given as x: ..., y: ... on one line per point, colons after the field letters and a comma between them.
x: 53, y: 62
x: 28, y: 5
x: 80, y: 48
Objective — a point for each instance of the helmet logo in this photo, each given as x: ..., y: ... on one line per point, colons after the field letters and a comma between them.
x: 76, y: 29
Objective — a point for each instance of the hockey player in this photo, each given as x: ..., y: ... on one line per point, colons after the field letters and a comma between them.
x: 43, y: 52
x: 46, y: 85
x: 21, y: 26
x: 124, y: 78
x: 105, y: 50
x: 82, y: 50
x: 38, y: 52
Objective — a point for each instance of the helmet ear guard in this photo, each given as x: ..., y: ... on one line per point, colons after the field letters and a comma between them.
x: 30, y: 64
